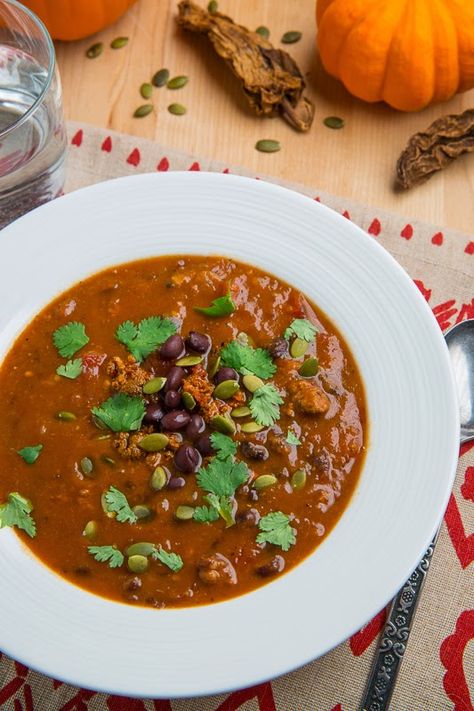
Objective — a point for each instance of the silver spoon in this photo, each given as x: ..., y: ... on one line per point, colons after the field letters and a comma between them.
x: 394, y: 638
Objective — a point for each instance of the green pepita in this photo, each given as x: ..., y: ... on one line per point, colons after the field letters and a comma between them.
x: 142, y: 548
x: 154, y: 385
x: 188, y: 401
x: 223, y: 424
x: 298, y: 348
x: 177, y: 82
x: 184, y: 513
x: 146, y: 90
x: 244, y: 339
x: 143, y: 111
x: 160, y: 78
x: 142, y: 512
x: 90, y: 530
x: 267, y: 145
x: 250, y: 427
x: 189, y: 360
x: 177, y: 109
x: 252, y: 382
x: 309, y: 367
x: 264, y: 481
x: 214, y: 367
x: 87, y: 466
x: 291, y: 37
x: 137, y: 563
x: 95, y: 50
x: 153, y: 442
x: 263, y: 31
x: 119, y: 42
x: 298, y: 480
x: 333, y: 122
x: 65, y: 416
x: 212, y: 7
x: 108, y: 460
x: 226, y: 389
x: 100, y: 437
x: 158, y: 479
x: 103, y: 503
x: 242, y: 411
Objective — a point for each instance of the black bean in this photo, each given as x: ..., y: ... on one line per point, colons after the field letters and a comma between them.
x: 275, y: 566
x: 175, y: 420
x: 174, y: 378
x: 195, y: 427
x: 153, y: 414
x: 248, y: 518
x: 204, y: 445
x: 176, y: 482
x: 172, y: 399
x: 226, y: 373
x: 198, y: 342
x: 187, y: 459
x: 172, y: 348
x: 278, y: 348
x: 254, y: 451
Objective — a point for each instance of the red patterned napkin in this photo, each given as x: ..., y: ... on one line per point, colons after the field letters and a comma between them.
x: 438, y: 669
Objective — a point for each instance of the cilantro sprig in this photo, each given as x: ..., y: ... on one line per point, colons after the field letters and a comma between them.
x: 222, y: 306
x: 205, y: 514
x: 247, y: 360
x: 265, y: 405
x: 121, y: 412
x: 116, y: 502
x: 275, y: 528
x: 70, y: 338
x: 72, y: 369
x: 107, y: 554
x: 301, y: 328
x: 144, y: 338
x: 172, y: 560
x: 222, y: 477
x: 291, y: 438
x: 223, y: 445
x: 30, y: 454
x: 16, y: 511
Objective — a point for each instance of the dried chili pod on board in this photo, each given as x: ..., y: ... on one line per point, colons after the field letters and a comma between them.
x: 434, y: 149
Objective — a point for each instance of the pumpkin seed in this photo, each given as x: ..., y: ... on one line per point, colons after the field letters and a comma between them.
x: 252, y: 382
x: 189, y: 360
x: 188, y: 401
x: 291, y: 37
x: 184, y: 513
x: 98, y: 423
x: 108, y: 460
x: 333, y: 122
x: 268, y: 145
x: 137, y: 564
x: 158, y: 479
x: 154, y: 385
x: 245, y: 339
x: 251, y: 427
x: 143, y: 111
x: 177, y: 109
x: 160, y: 78
x: 214, y: 367
x: 95, y: 50
x: 103, y: 503
x: 177, y: 82
x: 66, y: 416
x: 142, y: 512
x: 263, y: 31
x: 298, y: 348
x: 223, y: 424
x: 100, y: 437
x: 264, y: 481
x: 153, y: 442
x: 226, y: 389
x: 142, y: 548
x: 87, y: 466
x: 309, y: 367
x: 298, y: 480
x: 242, y: 411
x: 212, y: 7
x: 146, y: 90
x: 90, y: 530
x: 119, y: 42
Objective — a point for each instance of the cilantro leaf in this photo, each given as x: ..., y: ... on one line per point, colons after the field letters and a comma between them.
x: 121, y: 412
x: 205, y: 514
x: 222, y: 306
x: 30, y: 454
x: 71, y: 370
x: 145, y: 338
x: 223, y: 445
x: 275, y: 528
x: 117, y: 503
x: 70, y: 338
x: 107, y: 554
x: 222, y: 477
x: 291, y: 438
x: 172, y: 560
x: 224, y: 505
x: 16, y: 512
x: 248, y: 360
x: 265, y: 405
x: 301, y: 328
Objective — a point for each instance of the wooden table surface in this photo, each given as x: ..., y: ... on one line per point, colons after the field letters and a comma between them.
x: 356, y: 162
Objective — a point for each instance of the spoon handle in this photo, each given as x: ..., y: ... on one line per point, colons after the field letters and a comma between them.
x: 394, y: 638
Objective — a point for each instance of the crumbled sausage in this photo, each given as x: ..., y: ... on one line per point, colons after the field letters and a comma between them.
x: 127, y: 376
x: 276, y: 442
x: 309, y: 398
x: 132, y: 584
x: 216, y: 568
x: 198, y: 385
x: 254, y: 451
x: 275, y: 566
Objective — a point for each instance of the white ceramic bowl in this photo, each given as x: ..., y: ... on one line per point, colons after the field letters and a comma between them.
x: 75, y: 636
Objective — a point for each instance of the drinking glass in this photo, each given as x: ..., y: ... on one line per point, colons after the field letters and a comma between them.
x: 32, y: 132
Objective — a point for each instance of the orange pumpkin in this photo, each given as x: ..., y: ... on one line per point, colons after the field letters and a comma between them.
x: 408, y: 53
x: 74, y: 19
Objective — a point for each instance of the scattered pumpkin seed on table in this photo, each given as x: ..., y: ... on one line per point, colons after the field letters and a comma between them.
x: 146, y: 90
x: 119, y: 42
x: 333, y: 122
x: 263, y: 31
x: 160, y: 77
x: 177, y: 109
x: 95, y: 50
x: 177, y: 82
x: 143, y: 111
x: 212, y: 7
x: 267, y: 145
x: 291, y: 37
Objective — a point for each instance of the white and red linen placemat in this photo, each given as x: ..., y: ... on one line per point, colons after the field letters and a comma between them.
x: 438, y: 669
